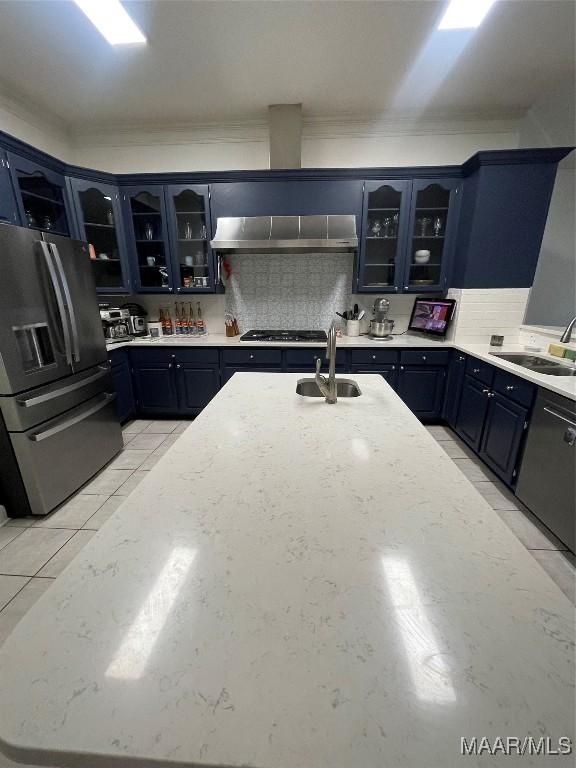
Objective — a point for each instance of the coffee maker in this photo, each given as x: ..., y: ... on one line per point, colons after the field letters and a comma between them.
x: 137, y: 323
x: 381, y: 326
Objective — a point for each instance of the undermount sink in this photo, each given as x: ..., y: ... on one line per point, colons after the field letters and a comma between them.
x: 344, y: 388
x: 539, y: 364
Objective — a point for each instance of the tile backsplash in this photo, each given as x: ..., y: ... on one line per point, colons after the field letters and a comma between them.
x: 290, y: 291
x: 481, y: 312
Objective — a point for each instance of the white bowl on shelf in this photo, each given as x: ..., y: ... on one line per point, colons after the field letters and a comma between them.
x: 422, y: 257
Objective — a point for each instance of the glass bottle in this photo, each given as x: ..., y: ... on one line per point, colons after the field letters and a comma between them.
x: 200, y: 322
x: 191, y: 320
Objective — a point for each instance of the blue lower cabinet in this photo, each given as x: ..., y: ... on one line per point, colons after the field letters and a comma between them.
x: 454, y: 383
x: 504, y: 429
x: 196, y: 387
x: 122, y: 380
x: 422, y: 389
x: 388, y: 372
x: 472, y: 411
x: 155, y: 388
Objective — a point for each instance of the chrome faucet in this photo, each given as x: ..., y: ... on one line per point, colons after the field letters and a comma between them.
x: 567, y: 335
x: 328, y: 386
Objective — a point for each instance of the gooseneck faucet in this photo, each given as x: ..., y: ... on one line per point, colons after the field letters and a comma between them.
x: 567, y: 335
x: 328, y: 386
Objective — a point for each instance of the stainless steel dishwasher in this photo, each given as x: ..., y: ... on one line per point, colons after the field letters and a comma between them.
x: 547, y: 480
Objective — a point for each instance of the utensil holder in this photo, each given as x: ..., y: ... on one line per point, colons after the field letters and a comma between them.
x: 353, y: 327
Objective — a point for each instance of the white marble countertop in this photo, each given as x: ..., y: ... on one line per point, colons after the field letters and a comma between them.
x: 565, y: 386
x: 294, y: 585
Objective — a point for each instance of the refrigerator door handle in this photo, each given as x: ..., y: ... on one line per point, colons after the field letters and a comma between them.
x: 59, y: 300
x: 69, y: 303
x: 28, y: 402
x: 51, y: 431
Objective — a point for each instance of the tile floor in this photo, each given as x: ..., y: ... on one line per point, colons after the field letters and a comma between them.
x: 34, y: 551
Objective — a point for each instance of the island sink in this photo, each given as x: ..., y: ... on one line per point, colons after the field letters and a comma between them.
x: 344, y: 388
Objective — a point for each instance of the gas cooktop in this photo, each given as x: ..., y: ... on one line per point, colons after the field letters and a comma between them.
x: 299, y: 336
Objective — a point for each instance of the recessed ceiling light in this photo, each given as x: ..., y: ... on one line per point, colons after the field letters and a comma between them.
x: 112, y: 20
x: 465, y: 14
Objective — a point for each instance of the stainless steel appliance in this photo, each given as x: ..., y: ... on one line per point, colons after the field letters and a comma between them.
x: 137, y: 323
x: 116, y: 324
x: 547, y: 479
x: 58, y: 422
x: 286, y: 234
x: 298, y: 336
x: 381, y: 326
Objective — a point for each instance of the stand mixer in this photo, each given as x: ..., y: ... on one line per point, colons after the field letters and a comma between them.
x: 381, y: 327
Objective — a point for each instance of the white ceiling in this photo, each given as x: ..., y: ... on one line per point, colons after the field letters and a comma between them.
x: 223, y: 61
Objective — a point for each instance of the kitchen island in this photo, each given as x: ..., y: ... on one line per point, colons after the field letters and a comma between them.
x: 295, y: 585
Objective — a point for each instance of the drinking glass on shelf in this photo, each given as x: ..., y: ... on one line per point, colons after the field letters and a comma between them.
x: 30, y: 220
x: 438, y: 223
x: 148, y: 231
x: 188, y: 232
x: 387, y: 225
x: 395, y: 220
x: 47, y: 223
x: 423, y: 224
x: 376, y: 227
x: 110, y: 217
x: 203, y: 232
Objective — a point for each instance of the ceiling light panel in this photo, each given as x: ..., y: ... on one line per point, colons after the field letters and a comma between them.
x: 112, y: 21
x: 465, y: 14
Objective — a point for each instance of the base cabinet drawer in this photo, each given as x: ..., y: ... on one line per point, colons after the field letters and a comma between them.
x: 514, y: 388
x: 374, y: 356
x: 229, y: 370
x: 425, y: 356
x: 251, y: 356
x: 388, y: 372
x: 422, y: 389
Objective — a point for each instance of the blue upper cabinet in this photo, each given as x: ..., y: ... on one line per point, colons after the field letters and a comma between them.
x: 41, y: 196
x: 147, y: 240
x: 298, y: 197
x: 8, y: 207
x: 432, y: 234
x: 99, y: 222
x: 385, y: 216
x: 193, y: 266
x: 504, y: 210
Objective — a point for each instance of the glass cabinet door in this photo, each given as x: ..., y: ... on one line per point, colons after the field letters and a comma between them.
x: 41, y: 196
x: 100, y: 224
x: 385, y: 219
x: 148, y: 238
x: 431, y: 234
x: 193, y: 268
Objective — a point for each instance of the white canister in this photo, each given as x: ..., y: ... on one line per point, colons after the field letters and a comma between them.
x: 353, y: 327
x: 155, y: 330
x: 422, y: 257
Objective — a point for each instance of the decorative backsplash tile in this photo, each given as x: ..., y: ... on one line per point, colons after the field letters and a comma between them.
x: 288, y: 291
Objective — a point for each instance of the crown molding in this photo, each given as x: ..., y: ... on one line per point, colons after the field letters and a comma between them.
x: 37, y: 117
x: 314, y: 128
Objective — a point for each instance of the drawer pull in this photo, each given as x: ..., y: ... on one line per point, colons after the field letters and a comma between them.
x: 373, y: 357
x: 423, y: 357
x: 485, y: 391
x: 461, y: 358
x: 251, y: 357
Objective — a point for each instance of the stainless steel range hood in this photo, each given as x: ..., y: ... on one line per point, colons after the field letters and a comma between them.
x: 281, y: 234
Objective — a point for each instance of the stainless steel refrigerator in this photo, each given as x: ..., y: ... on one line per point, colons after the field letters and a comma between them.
x: 58, y: 421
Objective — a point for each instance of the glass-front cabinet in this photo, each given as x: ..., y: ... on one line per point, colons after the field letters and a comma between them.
x: 432, y: 230
x: 385, y: 220
x: 40, y: 196
x: 408, y: 234
x: 99, y: 219
x: 190, y: 235
x: 147, y: 236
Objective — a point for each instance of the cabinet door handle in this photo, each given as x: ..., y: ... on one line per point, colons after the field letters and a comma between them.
x: 490, y: 394
x: 170, y: 365
x: 461, y: 358
x: 373, y: 357
x: 510, y: 387
x: 423, y: 357
x: 178, y: 366
x: 251, y: 357
x: 401, y: 367
x: 475, y: 370
x: 393, y: 367
x: 485, y: 391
